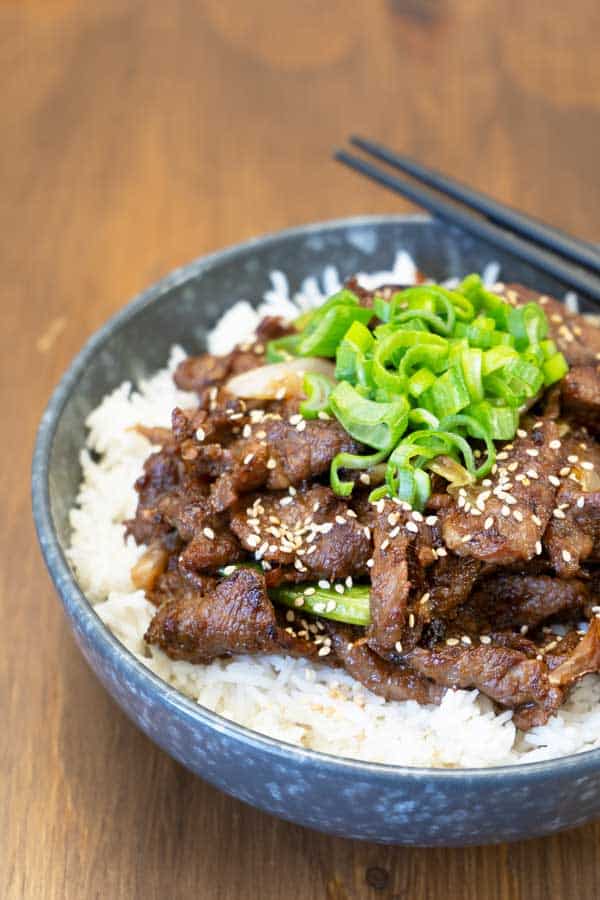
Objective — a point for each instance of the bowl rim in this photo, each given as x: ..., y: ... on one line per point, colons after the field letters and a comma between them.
x: 119, y: 656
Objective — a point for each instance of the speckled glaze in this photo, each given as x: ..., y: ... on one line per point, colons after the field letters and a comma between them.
x: 389, y: 804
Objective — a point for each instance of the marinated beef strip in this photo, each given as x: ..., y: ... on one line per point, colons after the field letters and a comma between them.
x: 519, y: 601
x: 386, y: 679
x: 505, y: 675
x: 502, y: 519
x: 573, y: 533
x: 575, y: 336
x: 309, y: 531
x: 580, y: 395
x: 404, y: 548
x: 583, y: 660
x: 237, y: 617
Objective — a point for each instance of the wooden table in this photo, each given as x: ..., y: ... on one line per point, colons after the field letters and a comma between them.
x: 137, y: 135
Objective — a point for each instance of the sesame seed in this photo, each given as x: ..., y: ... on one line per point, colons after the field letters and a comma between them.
x: 299, y: 601
x: 580, y: 502
x: 431, y: 520
x: 565, y: 471
x: 505, y: 511
x: 398, y: 646
x: 536, y: 520
x: 228, y: 570
x: 349, y: 582
x: 588, y: 466
x: 325, y: 417
x: 485, y: 639
x: 566, y: 556
x: 521, y: 433
x: 324, y: 584
x: 339, y: 588
x: 554, y: 481
x: 340, y: 520
x: 248, y: 458
x: 200, y: 434
x: 293, y: 420
x: 538, y: 548
x: 301, y: 426
x: 410, y: 526
x: 331, y: 605
x: 370, y: 563
x: 518, y: 515
x: 364, y: 478
x: 531, y: 451
x: 324, y: 651
x: 395, y: 531
x: 441, y: 551
x: 385, y: 544
x: 501, y: 456
x: 411, y: 620
x: 532, y: 474
x: 488, y: 522
x: 289, y: 616
x: 209, y: 533
x: 573, y: 458
x: 466, y: 639
x: 466, y: 538
x: 475, y: 512
x: 417, y: 515
x: 271, y: 463
x: 425, y: 598
x: 452, y: 642
x: 558, y: 514
x: 253, y: 540
x: 555, y: 445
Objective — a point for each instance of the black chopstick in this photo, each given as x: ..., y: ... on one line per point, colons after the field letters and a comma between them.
x: 575, y: 278
x: 551, y: 238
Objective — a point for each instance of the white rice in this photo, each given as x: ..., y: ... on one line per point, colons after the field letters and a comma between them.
x: 293, y: 700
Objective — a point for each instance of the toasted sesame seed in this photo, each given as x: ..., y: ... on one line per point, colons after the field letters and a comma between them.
x: 488, y: 522
x: 248, y: 458
x: 293, y: 420
x: 339, y: 588
x: 412, y: 527
x: 485, y: 639
x: 325, y: 417
x: 536, y: 520
x: 566, y: 470
x: 331, y: 605
x: 532, y: 473
x: 395, y: 531
x: 340, y: 520
x: 521, y: 433
x: 299, y: 601
x: 349, y: 582
x: 370, y: 563
x: 411, y: 620
x: 209, y: 533
x: 466, y: 538
x: 558, y: 513
x: 505, y: 511
x: 364, y: 478
x: 513, y: 466
x: 573, y: 458
x: 385, y: 544
x: 253, y: 540
x: 301, y: 425
x: 200, y: 434
x: 324, y: 584
x: 538, y: 548
x: 555, y: 444
x: 531, y: 451
x: 452, y: 642
x: 588, y: 466
x: 554, y: 481
x: 567, y: 556
x: 518, y: 515
x: 425, y: 598
x: 580, y: 502
x: 271, y: 463
x: 324, y: 651
x: 431, y: 520
x: 398, y: 646
x: 441, y: 551
x: 466, y: 639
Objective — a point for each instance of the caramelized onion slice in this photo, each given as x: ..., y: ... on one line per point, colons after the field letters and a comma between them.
x: 278, y: 380
x: 149, y: 567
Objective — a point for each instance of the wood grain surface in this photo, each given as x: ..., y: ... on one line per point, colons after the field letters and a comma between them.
x: 137, y: 135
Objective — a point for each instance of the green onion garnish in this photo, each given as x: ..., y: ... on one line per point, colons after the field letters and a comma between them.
x: 424, y: 379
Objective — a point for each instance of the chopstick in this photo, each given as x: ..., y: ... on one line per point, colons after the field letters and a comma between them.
x: 520, y: 224
x: 575, y: 277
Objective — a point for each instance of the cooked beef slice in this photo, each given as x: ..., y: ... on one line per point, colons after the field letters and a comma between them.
x: 574, y: 335
x: 196, y: 373
x: 584, y: 659
x: 237, y: 617
x: 502, y: 519
x: 573, y: 533
x: 503, y: 601
x: 162, y: 473
x: 507, y: 676
x: 394, y: 682
x: 580, y: 395
x: 311, y: 530
x: 404, y: 549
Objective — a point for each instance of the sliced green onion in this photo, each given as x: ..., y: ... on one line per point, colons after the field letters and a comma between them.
x: 378, y: 425
x: 352, y: 461
x: 324, y: 334
x: 282, y: 349
x: 351, y: 607
x: 317, y: 388
x: 554, y: 369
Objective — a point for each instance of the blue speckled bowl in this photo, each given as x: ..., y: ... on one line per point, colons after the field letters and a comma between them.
x: 357, y: 800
